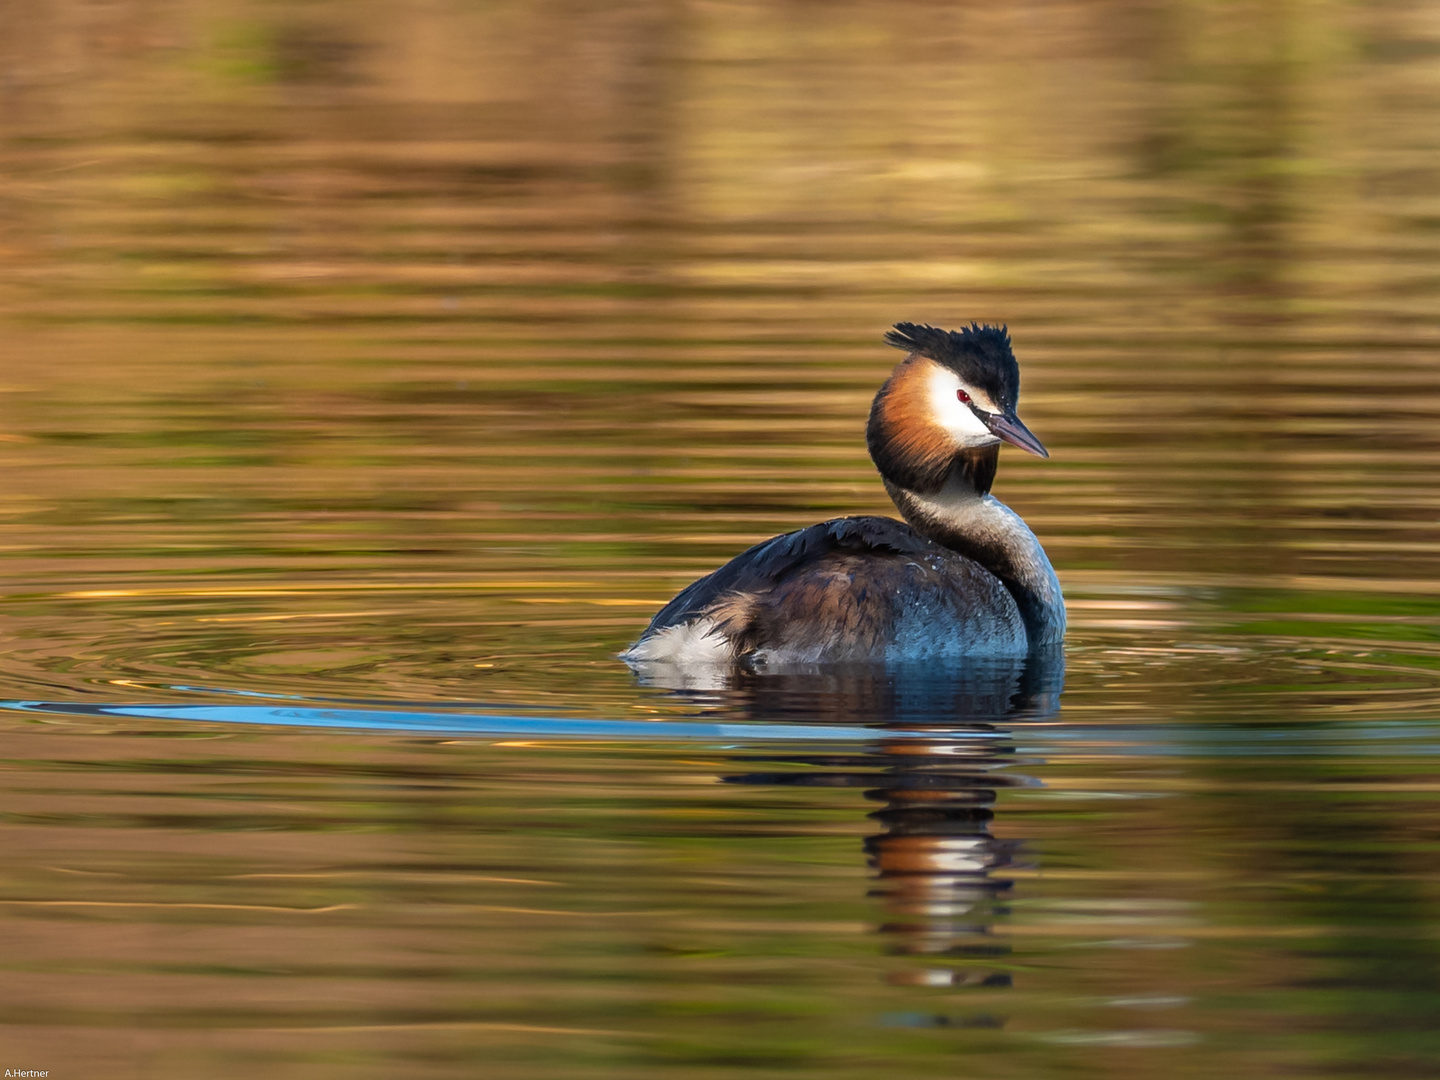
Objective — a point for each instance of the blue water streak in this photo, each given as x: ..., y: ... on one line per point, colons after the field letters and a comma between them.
x: 437, y: 723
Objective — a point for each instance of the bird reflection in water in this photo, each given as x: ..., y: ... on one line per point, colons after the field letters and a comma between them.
x: 941, y: 874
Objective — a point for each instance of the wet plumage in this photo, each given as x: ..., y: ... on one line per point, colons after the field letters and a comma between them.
x: 962, y: 576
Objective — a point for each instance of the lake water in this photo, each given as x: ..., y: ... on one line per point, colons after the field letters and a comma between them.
x: 372, y: 373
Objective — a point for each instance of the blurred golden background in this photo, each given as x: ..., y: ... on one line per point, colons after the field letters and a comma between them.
x: 417, y: 353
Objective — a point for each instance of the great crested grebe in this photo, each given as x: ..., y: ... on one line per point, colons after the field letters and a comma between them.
x: 963, y: 576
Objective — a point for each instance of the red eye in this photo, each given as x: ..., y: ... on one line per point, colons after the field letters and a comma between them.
x: 963, y: 396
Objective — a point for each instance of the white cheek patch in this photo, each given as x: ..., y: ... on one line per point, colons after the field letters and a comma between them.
x: 953, y: 414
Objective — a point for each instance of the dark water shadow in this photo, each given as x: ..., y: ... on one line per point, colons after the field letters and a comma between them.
x: 943, y: 750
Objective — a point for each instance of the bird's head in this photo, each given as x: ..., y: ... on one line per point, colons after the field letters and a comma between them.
x: 950, y: 402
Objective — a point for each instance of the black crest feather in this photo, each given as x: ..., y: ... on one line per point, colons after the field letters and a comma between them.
x: 946, y: 345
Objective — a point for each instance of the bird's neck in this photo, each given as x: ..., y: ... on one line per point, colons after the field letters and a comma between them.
x: 981, y: 527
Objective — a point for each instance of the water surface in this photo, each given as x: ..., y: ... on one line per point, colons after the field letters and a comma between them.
x: 370, y: 376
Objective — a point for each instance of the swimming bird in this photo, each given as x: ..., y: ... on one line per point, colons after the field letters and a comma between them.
x: 962, y: 576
